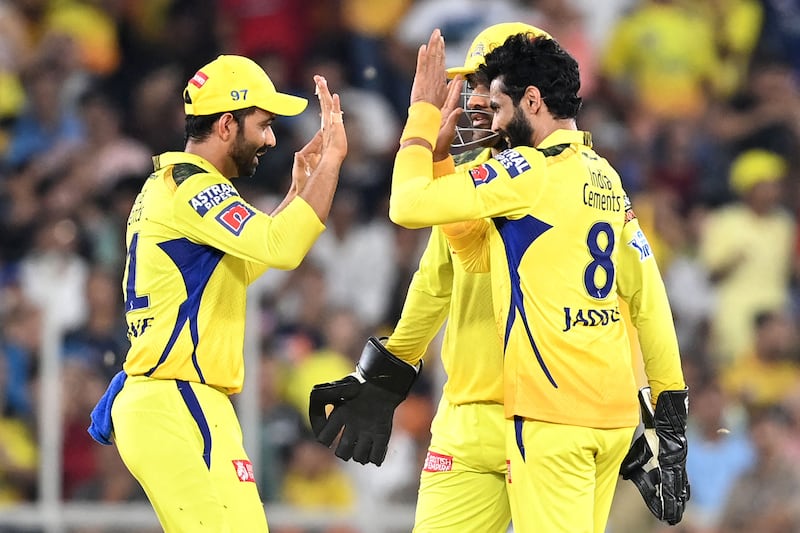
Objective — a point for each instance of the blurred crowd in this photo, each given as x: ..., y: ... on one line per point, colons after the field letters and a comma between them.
x: 697, y: 104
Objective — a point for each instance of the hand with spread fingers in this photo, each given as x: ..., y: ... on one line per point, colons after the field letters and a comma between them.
x: 332, y: 125
x: 430, y: 80
x: 451, y: 111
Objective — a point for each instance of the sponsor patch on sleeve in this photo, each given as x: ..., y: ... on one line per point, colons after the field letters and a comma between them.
x: 211, y: 197
x: 629, y: 214
x: 234, y: 217
x: 639, y: 242
x: 482, y: 174
x: 513, y: 161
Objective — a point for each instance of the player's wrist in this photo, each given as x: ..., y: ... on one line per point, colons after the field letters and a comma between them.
x: 423, y: 123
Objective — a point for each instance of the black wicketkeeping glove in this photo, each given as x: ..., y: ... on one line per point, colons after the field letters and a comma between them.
x: 363, y: 404
x: 656, y: 462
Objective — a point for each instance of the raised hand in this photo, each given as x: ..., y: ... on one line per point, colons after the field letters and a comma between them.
x: 334, y: 138
x: 451, y: 110
x: 430, y: 80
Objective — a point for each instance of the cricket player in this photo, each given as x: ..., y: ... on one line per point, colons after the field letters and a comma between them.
x: 194, y: 245
x: 550, y: 221
x: 462, y: 485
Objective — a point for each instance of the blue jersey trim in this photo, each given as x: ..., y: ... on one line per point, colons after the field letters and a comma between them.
x: 191, y: 401
x: 196, y: 263
x: 518, y: 235
x: 518, y: 421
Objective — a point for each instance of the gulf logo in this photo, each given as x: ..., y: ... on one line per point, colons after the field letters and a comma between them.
x: 482, y: 174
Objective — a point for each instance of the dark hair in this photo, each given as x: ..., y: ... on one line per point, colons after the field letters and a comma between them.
x: 198, y: 127
x: 522, y: 61
x: 477, y: 78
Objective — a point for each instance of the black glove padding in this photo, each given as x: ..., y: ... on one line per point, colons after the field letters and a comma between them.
x: 656, y: 462
x: 363, y: 404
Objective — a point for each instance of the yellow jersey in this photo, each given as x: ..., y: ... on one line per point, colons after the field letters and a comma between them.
x: 562, y: 247
x: 194, y: 245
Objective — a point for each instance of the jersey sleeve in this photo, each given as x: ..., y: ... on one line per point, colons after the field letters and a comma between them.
x: 227, y: 222
x: 639, y: 283
x: 470, y: 242
x: 504, y: 186
x: 427, y: 302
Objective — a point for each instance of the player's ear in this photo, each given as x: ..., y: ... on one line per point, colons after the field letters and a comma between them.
x: 533, y: 98
x: 225, y: 126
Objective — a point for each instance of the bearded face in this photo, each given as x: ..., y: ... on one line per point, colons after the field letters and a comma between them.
x: 518, y: 131
x: 245, y: 154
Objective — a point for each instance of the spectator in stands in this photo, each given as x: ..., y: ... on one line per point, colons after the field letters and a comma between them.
x: 738, y: 256
x: 720, y: 452
x: 770, y: 369
x: 101, y: 341
x: 766, y: 498
x: 18, y: 450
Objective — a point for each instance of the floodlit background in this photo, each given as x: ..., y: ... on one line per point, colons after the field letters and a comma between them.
x: 696, y: 103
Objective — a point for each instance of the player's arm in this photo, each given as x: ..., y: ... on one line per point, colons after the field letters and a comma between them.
x: 656, y: 462
x: 427, y: 302
x: 363, y: 406
x: 238, y: 228
x: 640, y: 285
x: 420, y: 199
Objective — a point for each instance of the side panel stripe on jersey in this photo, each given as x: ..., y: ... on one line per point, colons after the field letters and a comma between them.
x: 196, y: 263
x: 193, y: 404
x: 518, y: 421
x: 518, y: 235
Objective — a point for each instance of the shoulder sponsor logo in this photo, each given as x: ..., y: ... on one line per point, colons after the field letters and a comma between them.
x: 436, y: 462
x: 513, y: 162
x: 482, y: 174
x: 211, y: 197
x: 639, y: 242
x: 234, y: 217
x: 244, y: 470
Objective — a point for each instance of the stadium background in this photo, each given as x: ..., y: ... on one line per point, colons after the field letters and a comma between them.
x: 679, y: 95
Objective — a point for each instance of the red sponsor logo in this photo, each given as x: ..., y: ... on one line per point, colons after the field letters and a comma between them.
x: 508, y: 470
x: 436, y: 462
x: 244, y: 470
x: 482, y: 174
x: 234, y: 217
x: 199, y: 79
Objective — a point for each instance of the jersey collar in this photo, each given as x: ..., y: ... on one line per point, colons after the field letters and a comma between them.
x: 566, y: 137
x: 173, y: 158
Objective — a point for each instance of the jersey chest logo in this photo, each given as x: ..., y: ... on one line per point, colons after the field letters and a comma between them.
x: 234, y: 217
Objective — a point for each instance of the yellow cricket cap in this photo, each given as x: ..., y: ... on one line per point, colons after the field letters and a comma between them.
x: 233, y: 82
x: 756, y: 166
x: 488, y: 40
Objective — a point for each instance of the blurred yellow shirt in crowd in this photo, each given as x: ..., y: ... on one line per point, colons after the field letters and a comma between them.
x: 760, y: 382
x: 667, y: 55
x: 19, y: 449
